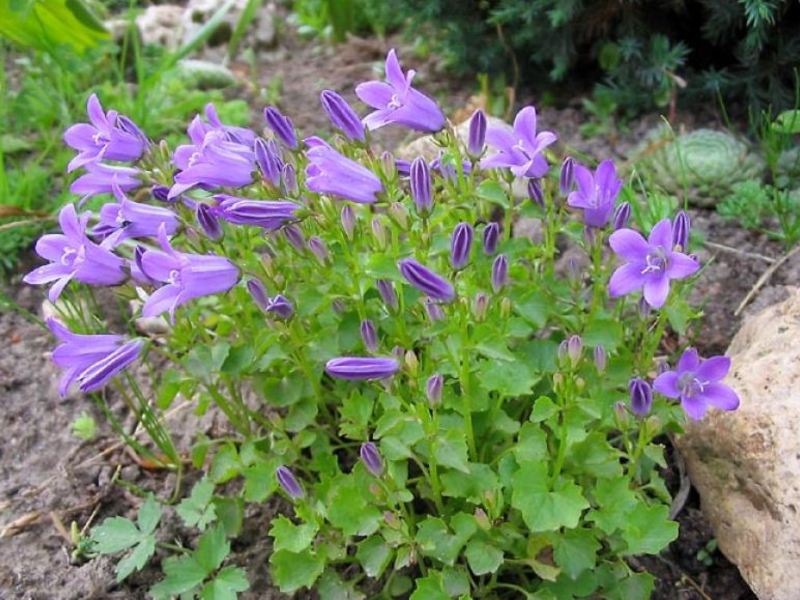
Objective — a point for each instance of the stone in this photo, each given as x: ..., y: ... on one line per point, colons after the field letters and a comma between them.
x: 261, y: 32
x: 161, y: 25
x: 746, y: 464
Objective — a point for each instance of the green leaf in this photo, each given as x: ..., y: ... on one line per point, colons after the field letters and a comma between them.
x: 430, y: 587
x: 472, y: 486
x: 294, y: 570
x: 288, y: 536
x: 238, y: 360
x: 494, y: 348
x: 534, y: 308
x: 596, y: 456
x: 435, y: 540
x: 226, y: 465
x: 115, y: 535
x: 183, y: 574
x: 48, y: 25
x: 349, y: 511
x: 212, y: 548
x: 531, y: 443
x: 544, y: 509
x: 615, y: 500
x: 604, y: 332
x: 638, y: 586
x: 787, y: 122
x: 149, y: 515
x: 456, y: 582
x: 331, y: 587
x: 226, y: 585
x: 197, y: 510
x: 483, y: 558
x: 507, y: 378
x: 648, y: 530
x: 575, y: 551
x: 355, y: 411
x: 374, y: 555
x: 137, y: 559
x: 230, y: 514
x: 543, y: 409
x: 259, y: 481
x: 451, y: 451
x: 493, y: 192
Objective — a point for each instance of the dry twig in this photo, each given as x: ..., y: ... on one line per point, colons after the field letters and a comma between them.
x: 764, y: 278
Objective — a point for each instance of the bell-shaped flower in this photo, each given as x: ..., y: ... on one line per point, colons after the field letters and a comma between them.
x: 520, y: 149
x: 649, y: 264
x: 268, y: 214
x: 90, y: 360
x: 101, y: 179
x: 429, y: 283
x: 107, y: 136
x: 596, y: 193
x: 281, y: 126
x: 186, y: 276
x: 359, y: 368
x: 329, y: 172
x: 697, y: 382
x: 126, y: 219
x: 73, y: 255
x: 397, y: 102
x: 342, y: 115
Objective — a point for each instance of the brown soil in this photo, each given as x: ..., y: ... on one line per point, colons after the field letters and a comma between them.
x: 48, y: 477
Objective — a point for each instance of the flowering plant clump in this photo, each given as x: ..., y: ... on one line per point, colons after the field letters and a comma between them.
x: 450, y: 409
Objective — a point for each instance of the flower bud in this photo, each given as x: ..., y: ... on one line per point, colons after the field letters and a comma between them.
x: 481, y: 306
x: 644, y: 308
x: 491, y: 234
x: 369, y: 336
x: 398, y: 353
x: 348, y: 217
x: 388, y: 165
x: 433, y: 389
x: 412, y: 364
x: 379, y: 233
x: 621, y: 415
x: 535, y: 192
x: 342, y: 115
x: 399, y: 214
x: 289, y: 483
x: 421, y: 186
x: 294, y: 235
x: 499, y: 273
x: 641, y: 396
x: 208, y: 221
x: 391, y: 520
x: 280, y: 307
x: 289, y: 180
x: 433, y: 310
x: 388, y: 295
x: 268, y: 159
x: 622, y: 215
x: 574, y: 349
x: 258, y: 293
x: 680, y: 231
x: 460, y: 245
x: 281, y: 125
x: 505, y: 307
x: 482, y: 519
x: 161, y: 193
x: 339, y: 306
x: 566, y: 180
x: 600, y: 358
x: 319, y: 250
x: 477, y: 134
x: 371, y: 458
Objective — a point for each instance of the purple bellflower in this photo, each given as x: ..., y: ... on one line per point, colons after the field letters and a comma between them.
x: 397, y: 102
x: 680, y: 231
x: 566, y: 179
x: 369, y: 335
x: 477, y: 134
x: 289, y: 483
x: 269, y: 161
x: 90, y: 360
x: 491, y: 234
x: 101, y: 179
x: 342, y: 115
x: 289, y: 184
x: 499, y: 273
x: 520, y: 149
x: 649, y: 264
x: 329, y: 172
x: 258, y: 292
x: 697, y: 382
x: 433, y: 310
x: 281, y: 125
x: 622, y: 214
x: 433, y: 389
x: 641, y: 396
x: 596, y: 193
x: 212, y: 161
x: 280, y: 307
x: 388, y: 294
x: 125, y: 219
x: 108, y: 136
x: 535, y: 192
x: 371, y: 458
x: 460, y: 245
x: 426, y: 281
x: 208, y: 221
x: 348, y: 218
x: 73, y: 255
x: 186, y: 276
x: 198, y: 128
x: 268, y: 214
x: 359, y: 368
x: 421, y: 186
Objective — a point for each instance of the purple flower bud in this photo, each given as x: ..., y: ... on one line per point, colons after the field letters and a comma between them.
x: 388, y: 165
x: 360, y: 368
x: 562, y: 351
x: 490, y: 236
x: 499, y: 273
x: 319, y: 250
x: 268, y: 159
x: 294, y: 235
x: 342, y: 115
x: 433, y: 310
x: 289, y: 483
x: 258, y: 293
x: 535, y: 192
x: 371, y: 458
x: 281, y: 125
x: 481, y: 306
x: 574, y: 269
x: 477, y: 134
x: 641, y: 396
x: 622, y: 215
x: 600, y: 358
x: 460, y: 245
x: 426, y: 281
x: 421, y: 186
x: 398, y: 353
x: 97, y: 374
x: 280, y: 307
x: 566, y: 180
x: 644, y: 308
x: 208, y: 221
x: 348, y: 217
x: 680, y: 231
x: 369, y: 336
x: 339, y: 306
x: 379, y: 232
x: 161, y: 193
x: 433, y: 389
x: 137, y: 272
x: 388, y: 295
x: 574, y: 349
x: 289, y: 180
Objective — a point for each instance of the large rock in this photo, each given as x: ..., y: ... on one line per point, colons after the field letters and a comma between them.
x: 746, y: 464
x: 261, y: 32
x: 160, y: 25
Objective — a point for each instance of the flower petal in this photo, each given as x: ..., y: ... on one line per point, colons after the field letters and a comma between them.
x: 656, y: 290
x: 376, y: 94
x: 161, y: 301
x: 689, y: 361
x: 661, y: 234
x: 626, y: 279
x: 681, y: 266
x: 720, y: 396
x: 694, y: 406
x: 666, y: 384
x: 714, y: 368
x: 525, y: 126
x: 628, y: 244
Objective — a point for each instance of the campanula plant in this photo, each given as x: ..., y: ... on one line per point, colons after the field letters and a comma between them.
x: 448, y: 409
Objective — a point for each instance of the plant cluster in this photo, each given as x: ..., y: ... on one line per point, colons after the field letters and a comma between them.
x: 450, y: 410
x: 642, y: 53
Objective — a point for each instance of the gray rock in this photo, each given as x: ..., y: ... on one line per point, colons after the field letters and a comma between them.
x: 161, y: 25
x: 746, y: 464
x: 261, y: 33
